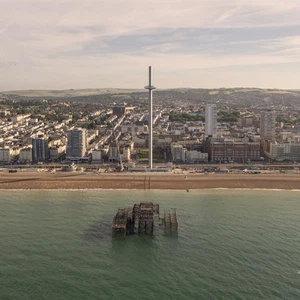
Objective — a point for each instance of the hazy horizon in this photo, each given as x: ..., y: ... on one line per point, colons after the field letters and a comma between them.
x: 142, y: 89
x: 70, y: 44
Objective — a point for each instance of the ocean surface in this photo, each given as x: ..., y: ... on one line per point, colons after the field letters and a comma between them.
x: 232, y: 244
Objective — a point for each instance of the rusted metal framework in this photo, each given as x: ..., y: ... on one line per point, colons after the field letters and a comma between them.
x: 170, y: 221
x: 119, y: 226
x: 142, y: 219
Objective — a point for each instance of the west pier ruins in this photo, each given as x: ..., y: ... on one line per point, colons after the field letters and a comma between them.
x: 144, y: 218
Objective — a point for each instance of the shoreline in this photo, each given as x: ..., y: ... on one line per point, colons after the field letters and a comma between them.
x: 143, y: 181
x: 165, y: 190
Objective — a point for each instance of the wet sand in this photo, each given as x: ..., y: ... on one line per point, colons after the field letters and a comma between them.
x: 147, y: 181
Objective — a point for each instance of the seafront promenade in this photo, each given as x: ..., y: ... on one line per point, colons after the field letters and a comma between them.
x: 147, y: 181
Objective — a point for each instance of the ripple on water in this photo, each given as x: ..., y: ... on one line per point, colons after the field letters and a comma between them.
x: 232, y: 244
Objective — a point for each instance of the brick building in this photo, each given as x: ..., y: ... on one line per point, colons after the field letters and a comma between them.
x: 237, y: 151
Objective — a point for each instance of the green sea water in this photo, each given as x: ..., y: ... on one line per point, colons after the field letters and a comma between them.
x: 231, y: 245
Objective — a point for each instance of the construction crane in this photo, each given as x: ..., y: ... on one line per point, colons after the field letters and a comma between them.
x: 120, y: 157
x: 119, y: 153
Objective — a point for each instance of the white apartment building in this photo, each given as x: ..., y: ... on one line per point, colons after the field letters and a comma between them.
x: 285, y: 151
x: 96, y: 155
x: 267, y: 125
x: 194, y: 156
x: 181, y: 154
x: 178, y: 153
x: 76, y: 144
x: 210, y: 119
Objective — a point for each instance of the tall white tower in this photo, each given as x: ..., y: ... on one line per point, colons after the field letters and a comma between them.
x: 150, y: 87
x: 210, y: 119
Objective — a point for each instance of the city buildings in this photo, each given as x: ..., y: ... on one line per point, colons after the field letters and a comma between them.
x: 96, y: 155
x: 6, y: 155
x: 267, y: 125
x: 194, y: 156
x: 125, y: 156
x: 119, y: 111
x: 57, y: 152
x: 4, y: 113
x: 210, y: 119
x: 222, y: 150
x: 138, y: 127
x: 183, y: 155
x: 114, y: 152
x: 245, y: 122
x: 25, y: 155
x: 178, y: 153
x: 40, y: 150
x: 285, y: 151
x: 76, y: 144
x: 178, y: 131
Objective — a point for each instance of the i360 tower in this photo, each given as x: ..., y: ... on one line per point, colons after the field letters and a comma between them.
x: 150, y: 87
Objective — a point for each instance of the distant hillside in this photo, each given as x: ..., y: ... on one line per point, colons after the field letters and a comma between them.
x: 248, y: 90
x: 114, y: 91
x: 231, y: 91
x: 242, y: 98
x: 67, y: 93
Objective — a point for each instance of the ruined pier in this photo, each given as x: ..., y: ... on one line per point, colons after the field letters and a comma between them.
x: 144, y: 218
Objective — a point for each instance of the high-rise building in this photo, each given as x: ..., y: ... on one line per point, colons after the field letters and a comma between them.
x: 114, y: 152
x: 40, y: 150
x: 76, y: 146
x: 210, y: 119
x: 267, y: 125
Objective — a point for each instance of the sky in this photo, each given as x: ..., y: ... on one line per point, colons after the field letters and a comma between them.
x: 72, y: 44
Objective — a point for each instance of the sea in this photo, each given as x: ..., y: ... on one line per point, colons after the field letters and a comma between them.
x: 231, y: 244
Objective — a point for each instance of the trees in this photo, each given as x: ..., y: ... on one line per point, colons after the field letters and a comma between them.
x: 90, y: 125
x: 228, y: 116
x: 183, y: 117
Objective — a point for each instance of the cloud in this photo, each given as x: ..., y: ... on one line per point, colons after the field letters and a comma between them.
x: 107, y: 37
x: 7, y: 64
